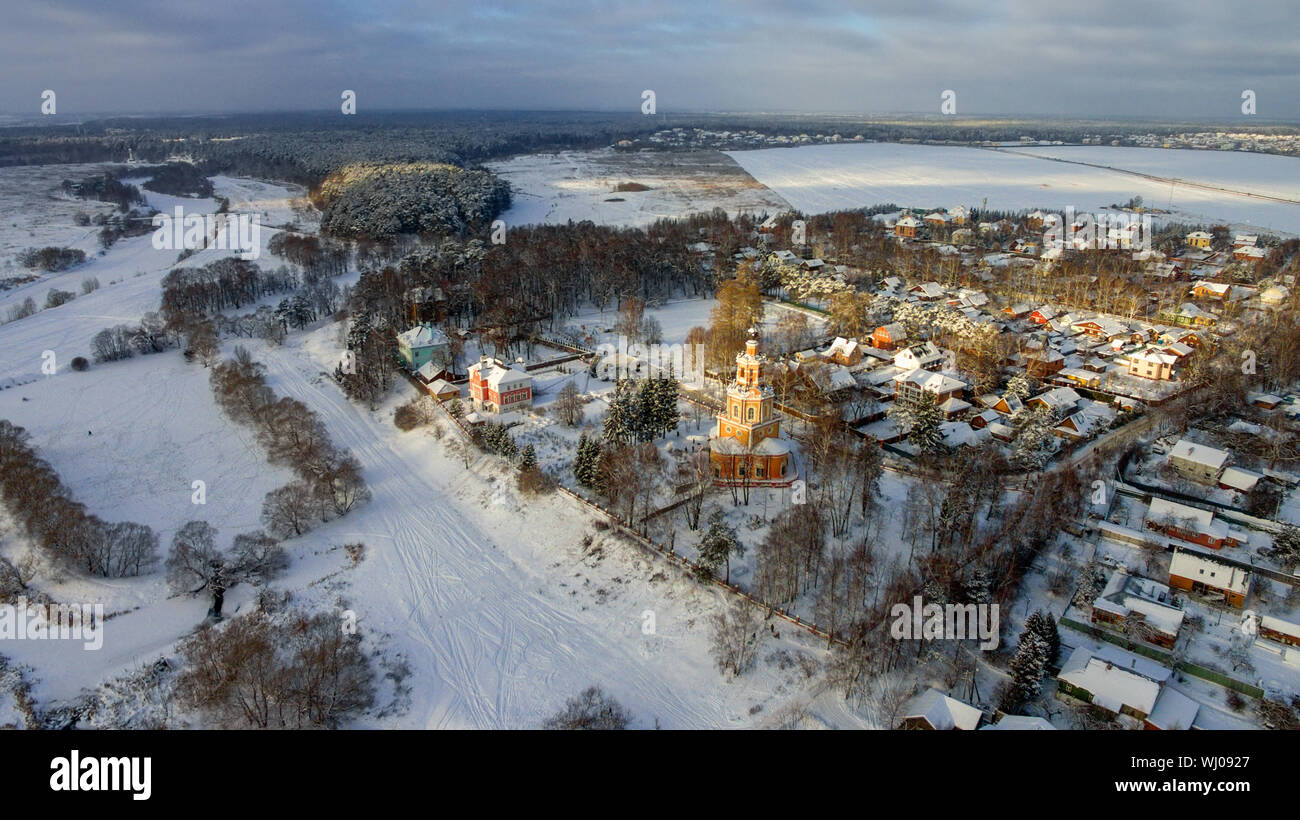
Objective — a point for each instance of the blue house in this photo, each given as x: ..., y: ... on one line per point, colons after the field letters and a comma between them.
x: 421, y: 345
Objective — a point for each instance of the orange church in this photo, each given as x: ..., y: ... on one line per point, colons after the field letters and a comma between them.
x: 746, y: 445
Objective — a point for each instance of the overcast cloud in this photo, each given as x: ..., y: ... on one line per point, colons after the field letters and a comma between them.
x: 1176, y: 59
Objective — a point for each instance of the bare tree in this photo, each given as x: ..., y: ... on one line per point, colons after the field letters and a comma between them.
x: 592, y: 709
x: 735, y: 639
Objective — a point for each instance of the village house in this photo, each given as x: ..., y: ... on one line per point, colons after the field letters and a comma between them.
x: 1173, y: 710
x: 924, y: 355
x: 1275, y: 295
x: 1081, y: 377
x: 1249, y: 253
x: 1102, y: 328
x: 1035, y: 220
x: 927, y: 291
x: 1042, y: 315
x: 1198, y: 239
x: 932, y: 710
x: 1129, y: 598
x: 889, y: 337
x: 907, y: 226
x: 499, y: 387
x: 421, y: 345
x: 844, y: 351
x: 1153, y: 363
x: 1276, y: 629
x: 1017, y: 311
x: 1044, y: 362
x: 1211, y: 291
x: 917, y: 385
x: 746, y: 446
x: 1198, y: 462
x: 1107, y: 685
x: 1019, y: 723
x: 443, y: 390
x: 1204, y: 575
x: 1235, y: 478
x: 1092, y: 419
x: 959, y: 215
x: 1059, y: 400
x: 1190, y: 524
x: 1009, y: 404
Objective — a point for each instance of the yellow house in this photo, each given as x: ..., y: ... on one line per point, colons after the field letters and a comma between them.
x: 1198, y: 239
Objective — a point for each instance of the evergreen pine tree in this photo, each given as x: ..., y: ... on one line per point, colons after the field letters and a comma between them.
x: 717, y: 545
x: 580, y: 461
x: 1027, y: 670
x: 620, y: 419
x: 1042, y: 624
x: 527, y: 459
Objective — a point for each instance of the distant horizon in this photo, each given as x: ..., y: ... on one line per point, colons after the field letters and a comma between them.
x: 28, y: 119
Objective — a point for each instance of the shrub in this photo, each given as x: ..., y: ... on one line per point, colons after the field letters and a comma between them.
x: 80, y: 364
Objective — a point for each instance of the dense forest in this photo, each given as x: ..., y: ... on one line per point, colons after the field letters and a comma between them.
x: 381, y: 202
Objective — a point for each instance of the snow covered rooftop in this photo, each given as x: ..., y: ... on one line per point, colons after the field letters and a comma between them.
x: 943, y: 712
x: 1198, y: 454
x: 1110, y: 686
x: 1173, y: 710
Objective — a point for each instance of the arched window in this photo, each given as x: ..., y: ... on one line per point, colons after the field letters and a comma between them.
x: 751, y: 414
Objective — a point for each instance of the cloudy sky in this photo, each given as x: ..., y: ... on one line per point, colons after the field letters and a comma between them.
x: 1189, y: 59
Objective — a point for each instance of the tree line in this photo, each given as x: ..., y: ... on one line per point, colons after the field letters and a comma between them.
x: 328, y: 481
x: 60, y: 526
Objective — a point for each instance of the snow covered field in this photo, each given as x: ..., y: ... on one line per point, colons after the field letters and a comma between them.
x: 579, y: 185
x: 491, y: 599
x: 820, y: 178
x: 129, y: 274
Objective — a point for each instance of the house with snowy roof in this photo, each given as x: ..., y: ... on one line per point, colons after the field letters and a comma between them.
x: 924, y: 355
x: 916, y: 385
x: 1059, y: 400
x: 844, y: 351
x: 1191, y: 524
x: 933, y: 710
x: 1153, y: 363
x: 889, y: 337
x: 907, y: 226
x: 1127, y: 598
x: 1107, y: 685
x: 1173, y: 710
x: 498, y: 387
x: 1208, y: 575
x: 421, y: 345
x: 1198, y: 462
x: 1020, y: 723
x: 927, y: 291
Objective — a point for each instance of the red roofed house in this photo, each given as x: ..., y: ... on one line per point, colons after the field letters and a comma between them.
x: 499, y: 387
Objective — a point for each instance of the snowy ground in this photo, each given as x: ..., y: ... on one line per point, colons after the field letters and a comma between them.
x: 579, y: 185
x: 129, y: 275
x: 38, y: 214
x: 821, y: 178
x: 491, y: 599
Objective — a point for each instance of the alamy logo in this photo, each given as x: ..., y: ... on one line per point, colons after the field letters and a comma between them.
x: 642, y: 361
x: 50, y: 622
x: 191, y: 232
x: 75, y: 773
x: 920, y: 621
